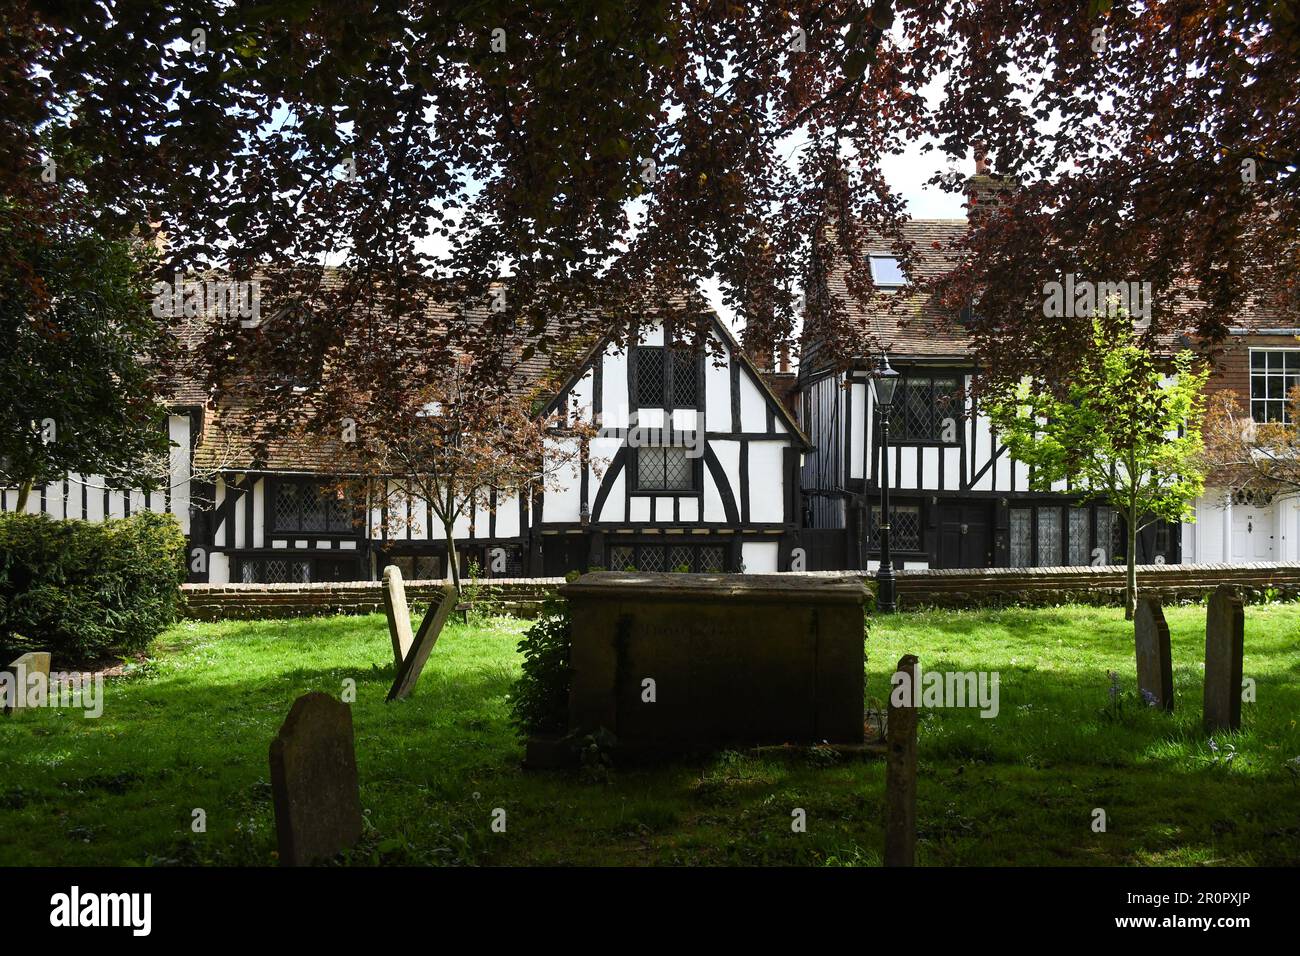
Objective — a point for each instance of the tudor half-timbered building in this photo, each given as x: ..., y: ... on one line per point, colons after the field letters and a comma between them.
x: 694, y: 465
x: 958, y: 500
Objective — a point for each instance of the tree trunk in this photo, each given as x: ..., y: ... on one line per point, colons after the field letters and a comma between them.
x: 453, y: 559
x: 1131, y: 581
x: 24, y: 492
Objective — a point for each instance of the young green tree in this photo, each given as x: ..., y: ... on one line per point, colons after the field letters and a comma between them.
x: 1124, y: 429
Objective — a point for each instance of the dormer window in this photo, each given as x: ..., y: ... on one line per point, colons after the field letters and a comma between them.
x: 886, y: 273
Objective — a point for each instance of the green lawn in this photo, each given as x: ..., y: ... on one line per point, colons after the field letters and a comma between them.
x: 191, y: 730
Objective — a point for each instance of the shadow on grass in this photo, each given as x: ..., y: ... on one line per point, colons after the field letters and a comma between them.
x: 1020, y: 788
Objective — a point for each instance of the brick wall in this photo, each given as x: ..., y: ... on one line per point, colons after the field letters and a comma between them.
x: 1232, y: 366
x: 983, y: 587
x: 206, y: 602
x: 1103, y: 585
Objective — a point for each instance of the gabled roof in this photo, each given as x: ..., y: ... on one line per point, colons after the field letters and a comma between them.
x: 733, y: 347
x: 231, y: 424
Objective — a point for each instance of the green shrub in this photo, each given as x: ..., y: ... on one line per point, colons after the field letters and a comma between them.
x: 541, y: 695
x: 81, y: 589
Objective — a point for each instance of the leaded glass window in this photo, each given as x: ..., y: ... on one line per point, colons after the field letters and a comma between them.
x: 667, y: 377
x: 664, y: 469
x: 419, y: 567
x: 1022, y: 542
x: 680, y: 557
x: 904, y: 527
x: 1080, y: 553
x: 712, y: 560
x: 310, y: 507
x: 275, y: 571
x: 685, y: 379
x: 1049, y: 537
x: 694, y: 558
x: 1107, y: 527
x: 650, y: 378
x: 926, y: 410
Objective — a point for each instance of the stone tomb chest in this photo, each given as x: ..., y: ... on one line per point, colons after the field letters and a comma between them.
x: 671, y: 660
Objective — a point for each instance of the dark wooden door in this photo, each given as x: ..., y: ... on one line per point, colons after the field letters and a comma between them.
x: 965, y: 534
x: 564, y: 553
x: 336, y: 569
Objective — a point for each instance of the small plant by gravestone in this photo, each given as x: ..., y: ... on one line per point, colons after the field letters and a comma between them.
x: 540, y: 701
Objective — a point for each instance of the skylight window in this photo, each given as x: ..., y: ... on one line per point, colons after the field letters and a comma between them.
x: 886, y: 272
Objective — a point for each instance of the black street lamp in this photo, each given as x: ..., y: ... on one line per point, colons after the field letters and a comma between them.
x: 884, y: 383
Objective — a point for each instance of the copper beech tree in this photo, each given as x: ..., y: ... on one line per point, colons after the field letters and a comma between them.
x: 463, y: 440
x: 591, y: 148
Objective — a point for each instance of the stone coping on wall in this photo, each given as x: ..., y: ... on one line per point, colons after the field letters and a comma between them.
x: 951, y: 587
x: 1084, y: 572
x: 842, y: 588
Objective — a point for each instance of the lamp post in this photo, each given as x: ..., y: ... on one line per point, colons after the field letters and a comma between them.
x: 884, y: 383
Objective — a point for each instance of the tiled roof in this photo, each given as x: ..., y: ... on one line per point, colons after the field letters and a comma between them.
x: 904, y: 322
x: 912, y: 324
x: 232, y: 426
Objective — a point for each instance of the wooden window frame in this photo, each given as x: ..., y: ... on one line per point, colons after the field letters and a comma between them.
x: 1265, y: 375
x: 697, y: 475
x: 668, y: 399
x: 896, y: 438
x: 271, y: 511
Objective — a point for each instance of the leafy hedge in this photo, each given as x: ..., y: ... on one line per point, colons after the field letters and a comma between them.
x: 81, y: 589
x: 541, y: 695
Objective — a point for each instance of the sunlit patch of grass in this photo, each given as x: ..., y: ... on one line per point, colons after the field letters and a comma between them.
x: 190, y: 729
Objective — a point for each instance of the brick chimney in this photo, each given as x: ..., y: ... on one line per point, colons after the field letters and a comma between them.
x: 759, y: 351
x: 983, y: 188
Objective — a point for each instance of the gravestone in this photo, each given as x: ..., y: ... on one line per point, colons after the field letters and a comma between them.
x: 399, y: 615
x: 1225, y: 634
x: 29, y: 672
x: 314, y: 781
x: 673, y: 662
x: 408, y: 671
x: 900, y: 774
x: 1154, y: 660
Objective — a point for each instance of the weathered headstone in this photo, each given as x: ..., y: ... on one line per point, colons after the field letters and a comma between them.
x: 408, y: 671
x: 1225, y: 638
x: 26, y: 682
x: 1154, y: 659
x: 900, y: 773
x: 669, y: 663
x: 314, y: 781
x: 399, y: 615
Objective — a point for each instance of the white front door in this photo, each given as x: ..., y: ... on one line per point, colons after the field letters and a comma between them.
x: 1252, y: 533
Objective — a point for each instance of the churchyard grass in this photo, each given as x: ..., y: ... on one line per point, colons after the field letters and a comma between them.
x: 190, y: 729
